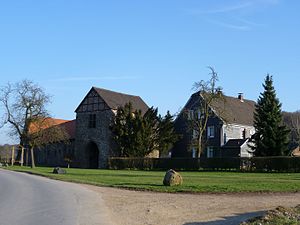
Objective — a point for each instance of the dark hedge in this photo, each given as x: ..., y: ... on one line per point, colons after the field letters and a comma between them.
x: 256, y: 164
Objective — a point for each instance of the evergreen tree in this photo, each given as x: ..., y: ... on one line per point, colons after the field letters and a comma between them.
x: 151, y: 130
x: 271, y: 137
x: 138, y: 135
x: 167, y: 134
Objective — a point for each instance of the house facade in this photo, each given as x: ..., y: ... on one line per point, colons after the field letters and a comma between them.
x: 91, y: 140
x: 228, y: 129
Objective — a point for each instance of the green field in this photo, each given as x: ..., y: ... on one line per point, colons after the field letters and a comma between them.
x: 196, y: 182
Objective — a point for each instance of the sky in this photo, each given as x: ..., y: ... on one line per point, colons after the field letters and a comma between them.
x: 155, y: 49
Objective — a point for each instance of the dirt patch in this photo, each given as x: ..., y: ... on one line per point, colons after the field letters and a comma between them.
x: 149, y: 208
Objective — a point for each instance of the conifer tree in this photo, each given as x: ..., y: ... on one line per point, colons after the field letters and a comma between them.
x: 271, y: 137
x: 137, y: 135
x: 167, y: 134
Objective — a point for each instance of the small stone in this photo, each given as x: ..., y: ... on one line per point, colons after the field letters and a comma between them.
x: 172, y: 178
x: 59, y: 170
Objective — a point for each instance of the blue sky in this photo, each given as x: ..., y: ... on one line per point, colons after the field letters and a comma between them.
x: 155, y: 49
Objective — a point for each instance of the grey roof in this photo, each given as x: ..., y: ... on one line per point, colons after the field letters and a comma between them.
x: 233, y: 110
x: 234, y: 143
x: 116, y: 99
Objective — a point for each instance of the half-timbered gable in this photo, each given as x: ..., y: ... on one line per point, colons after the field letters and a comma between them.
x: 92, y: 102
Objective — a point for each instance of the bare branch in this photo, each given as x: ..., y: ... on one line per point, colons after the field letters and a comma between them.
x: 208, y: 93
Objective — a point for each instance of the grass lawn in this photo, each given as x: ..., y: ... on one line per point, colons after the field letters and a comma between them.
x: 197, y: 182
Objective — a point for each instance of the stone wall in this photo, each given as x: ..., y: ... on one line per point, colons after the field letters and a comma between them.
x: 55, y: 154
x: 100, y: 135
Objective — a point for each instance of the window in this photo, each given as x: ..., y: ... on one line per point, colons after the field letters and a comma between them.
x: 210, y: 132
x: 199, y: 114
x: 190, y: 114
x: 195, y: 134
x: 243, y: 133
x: 225, y: 138
x: 194, y: 151
x: 210, y: 152
x: 92, y: 121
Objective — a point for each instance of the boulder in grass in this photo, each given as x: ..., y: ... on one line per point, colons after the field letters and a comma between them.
x: 172, y: 178
x: 59, y: 170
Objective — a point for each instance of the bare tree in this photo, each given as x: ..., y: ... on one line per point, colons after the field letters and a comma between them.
x: 24, y: 104
x: 292, y: 121
x: 209, y: 93
x: 296, y: 127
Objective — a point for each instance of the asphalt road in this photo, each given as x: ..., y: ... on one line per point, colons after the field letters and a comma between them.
x: 32, y: 200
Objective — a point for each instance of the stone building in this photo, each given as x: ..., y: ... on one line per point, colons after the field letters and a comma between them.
x: 91, y: 140
x: 227, y: 132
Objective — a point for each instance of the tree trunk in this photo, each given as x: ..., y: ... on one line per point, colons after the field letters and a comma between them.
x: 32, y: 158
x: 27, y: 156
x: 199, y: 145
x: 13, y: 156
x: 22, y: 156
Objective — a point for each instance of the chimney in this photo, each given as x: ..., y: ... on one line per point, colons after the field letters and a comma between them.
x: 241, y: 96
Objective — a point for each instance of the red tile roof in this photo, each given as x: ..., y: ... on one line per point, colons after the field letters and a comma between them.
x: 68, y: 125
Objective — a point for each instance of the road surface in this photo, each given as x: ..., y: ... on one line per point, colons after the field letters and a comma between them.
x: 32, y: 200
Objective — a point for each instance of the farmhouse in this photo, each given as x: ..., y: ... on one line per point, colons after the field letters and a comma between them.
x: 90, y: 139
x: 227, y: 132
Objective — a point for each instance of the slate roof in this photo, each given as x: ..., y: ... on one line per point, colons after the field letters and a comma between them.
x: 233, y: 110
x: 234, y: 143
x: 116, y: 99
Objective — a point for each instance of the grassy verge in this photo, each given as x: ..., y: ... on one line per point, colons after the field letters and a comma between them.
x: 195, y: 182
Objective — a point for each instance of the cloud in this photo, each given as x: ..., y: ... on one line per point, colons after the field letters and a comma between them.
x: 233, y: 7
x: 232, y: 14
x: 249, y: 23
x: 231, y: 25
x: 224, y: 9
x: 96, y: 78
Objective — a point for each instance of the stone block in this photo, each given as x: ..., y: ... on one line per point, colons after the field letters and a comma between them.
x: 59, y: 170
x: 172, y: 178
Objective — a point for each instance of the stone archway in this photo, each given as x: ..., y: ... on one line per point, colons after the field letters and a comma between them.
x: 92, y: 153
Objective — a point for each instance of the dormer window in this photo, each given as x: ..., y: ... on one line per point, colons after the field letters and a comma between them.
x: 92, y: 121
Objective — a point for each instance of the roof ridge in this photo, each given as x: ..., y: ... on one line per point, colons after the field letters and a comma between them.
x: 103, y: 89
x: 227, y: 96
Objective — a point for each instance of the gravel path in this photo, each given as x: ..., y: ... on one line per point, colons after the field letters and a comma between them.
x: 148, y: 208
x: 32, y: 200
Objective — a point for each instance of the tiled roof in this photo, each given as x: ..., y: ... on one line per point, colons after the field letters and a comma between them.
x: 233, y: 110
x: 116, y: 99
x: 68, y: 125
x: 234, y: 143
x: 70, y: 128
x: 45, y: 123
